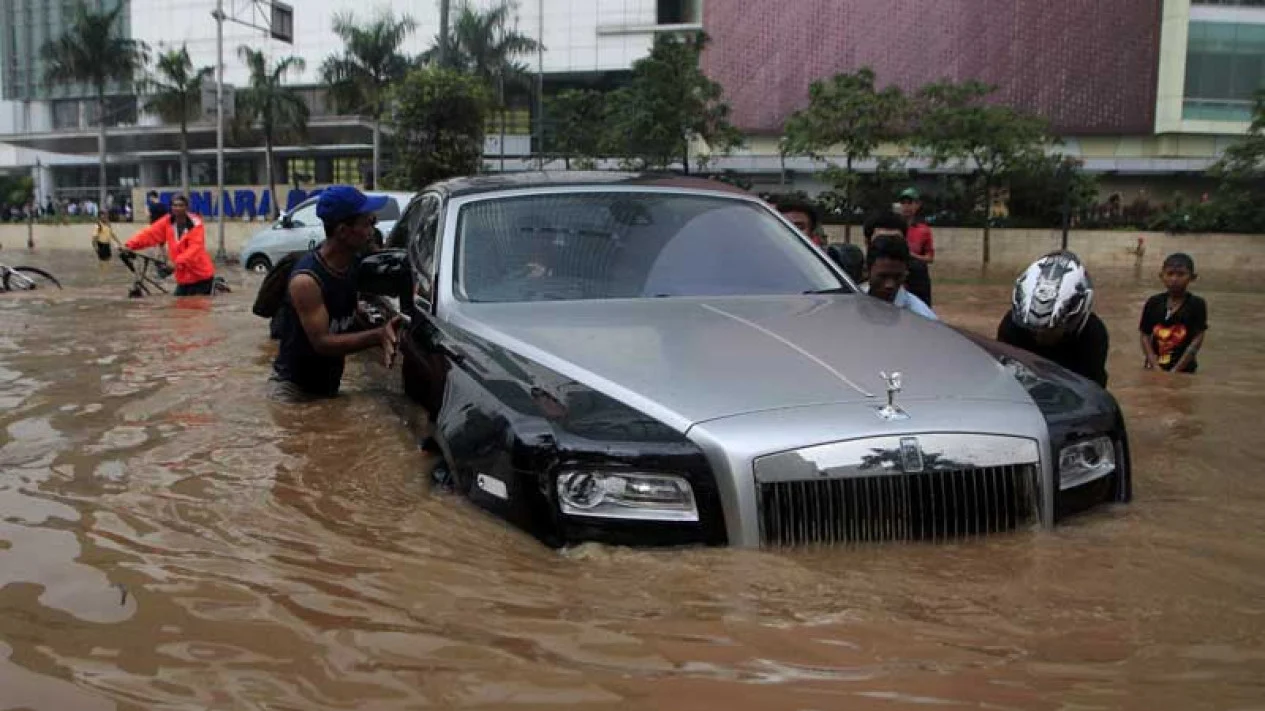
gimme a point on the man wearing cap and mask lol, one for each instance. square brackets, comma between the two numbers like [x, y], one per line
[318, 316]
[922, 247]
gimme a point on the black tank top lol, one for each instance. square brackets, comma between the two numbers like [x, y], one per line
[297, 362]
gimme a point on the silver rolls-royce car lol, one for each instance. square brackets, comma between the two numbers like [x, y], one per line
[661, 360]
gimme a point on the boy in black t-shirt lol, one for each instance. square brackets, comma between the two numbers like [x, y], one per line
[1174, 322]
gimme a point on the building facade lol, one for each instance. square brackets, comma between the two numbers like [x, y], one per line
[1139, 89]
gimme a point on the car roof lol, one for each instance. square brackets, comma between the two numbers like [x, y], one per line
[457, 187]
[401, 198]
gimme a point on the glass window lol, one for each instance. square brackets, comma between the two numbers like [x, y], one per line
[398, 239]
[65, 114]
[423, 243]
[347, 171]
[300, 170]
[615, 245]
[304, 215]
[1225, 66]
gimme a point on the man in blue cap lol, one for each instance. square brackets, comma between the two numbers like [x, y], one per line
[319, 312]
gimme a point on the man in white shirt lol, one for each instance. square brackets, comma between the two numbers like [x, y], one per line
[888, 261]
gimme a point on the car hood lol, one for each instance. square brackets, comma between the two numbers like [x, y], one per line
[690, 360]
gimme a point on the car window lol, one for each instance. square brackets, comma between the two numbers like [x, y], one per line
[399, 237]
[630, 245]
[389, 211]
[304, 215]
[423, 238]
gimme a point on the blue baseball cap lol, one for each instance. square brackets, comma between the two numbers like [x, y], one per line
[339, 203]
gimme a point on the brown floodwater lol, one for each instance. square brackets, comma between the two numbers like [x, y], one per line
[171, 540]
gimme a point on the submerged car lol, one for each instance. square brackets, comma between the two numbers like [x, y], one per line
[299, 230]
[646, 360]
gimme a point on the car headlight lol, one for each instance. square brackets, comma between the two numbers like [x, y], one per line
[1085, 461]
[624, 495]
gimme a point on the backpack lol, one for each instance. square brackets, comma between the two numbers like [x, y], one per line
[272, 292]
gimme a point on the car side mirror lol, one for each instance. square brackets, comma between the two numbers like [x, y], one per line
[386, 273]
[285, 222]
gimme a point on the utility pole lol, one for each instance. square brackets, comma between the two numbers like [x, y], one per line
[443, 32]
[272, 17]
[220, 254]
[540, 83]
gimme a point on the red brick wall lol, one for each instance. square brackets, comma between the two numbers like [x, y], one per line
[1089, 66]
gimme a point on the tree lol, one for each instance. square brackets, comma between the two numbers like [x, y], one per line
[1042, 187]
[359, 78]
[668, 103]
[437, 119]
[93, 52]
[1236, 204]
[175, 94]
[576, 130]
[485, 43]
[846, 114]
[953, 125]
[277, 109]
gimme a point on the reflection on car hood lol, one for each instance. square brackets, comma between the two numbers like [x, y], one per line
[689, 360]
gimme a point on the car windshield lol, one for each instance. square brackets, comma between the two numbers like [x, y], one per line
[622, 245]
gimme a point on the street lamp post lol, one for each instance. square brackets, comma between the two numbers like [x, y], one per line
[1067, 198]
[220, 254]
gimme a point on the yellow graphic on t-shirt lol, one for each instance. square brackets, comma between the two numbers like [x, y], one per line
[1167, 339]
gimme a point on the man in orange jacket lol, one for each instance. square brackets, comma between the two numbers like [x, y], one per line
[184, 236]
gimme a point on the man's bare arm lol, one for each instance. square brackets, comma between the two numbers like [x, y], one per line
[305, 295]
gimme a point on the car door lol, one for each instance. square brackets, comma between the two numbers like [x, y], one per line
[427, 354]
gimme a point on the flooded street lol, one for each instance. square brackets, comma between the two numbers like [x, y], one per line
[169, 539]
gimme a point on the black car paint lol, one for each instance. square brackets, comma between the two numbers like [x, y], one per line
[500, 415]
[1075, 409]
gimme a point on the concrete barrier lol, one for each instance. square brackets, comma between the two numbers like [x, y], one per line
[955, 246]
[79, 236]
[964, 247]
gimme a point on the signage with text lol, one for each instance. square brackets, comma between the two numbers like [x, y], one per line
[240, 203]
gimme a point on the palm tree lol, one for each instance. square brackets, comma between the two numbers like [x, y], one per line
[277, 109]
[360, 77]
[175, 92]
[92, 52]
[487, 45]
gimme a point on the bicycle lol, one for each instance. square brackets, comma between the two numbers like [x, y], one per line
[146, 282]
[25, 278]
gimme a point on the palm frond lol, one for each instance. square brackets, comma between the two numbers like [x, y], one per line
[93, 52]
[370, 62]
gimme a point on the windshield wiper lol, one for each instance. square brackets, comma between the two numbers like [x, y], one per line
[834, 290]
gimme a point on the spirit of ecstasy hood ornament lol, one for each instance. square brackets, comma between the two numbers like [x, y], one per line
[890, 411]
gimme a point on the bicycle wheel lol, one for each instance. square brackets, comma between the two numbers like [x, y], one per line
[28, 278]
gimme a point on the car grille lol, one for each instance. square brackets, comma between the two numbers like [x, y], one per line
[898, 507]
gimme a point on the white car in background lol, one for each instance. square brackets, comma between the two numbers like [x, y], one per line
[299, 229]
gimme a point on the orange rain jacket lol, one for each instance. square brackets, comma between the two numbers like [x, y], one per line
[188, 254]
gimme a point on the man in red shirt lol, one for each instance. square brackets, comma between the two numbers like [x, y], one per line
[184, 236]
[922, 246]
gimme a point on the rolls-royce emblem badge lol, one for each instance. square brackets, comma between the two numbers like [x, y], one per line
[910, 455]
[891, 411]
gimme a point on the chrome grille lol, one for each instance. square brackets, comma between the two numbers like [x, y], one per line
[898, 507]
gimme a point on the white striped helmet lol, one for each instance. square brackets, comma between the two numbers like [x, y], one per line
[1055, 291]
